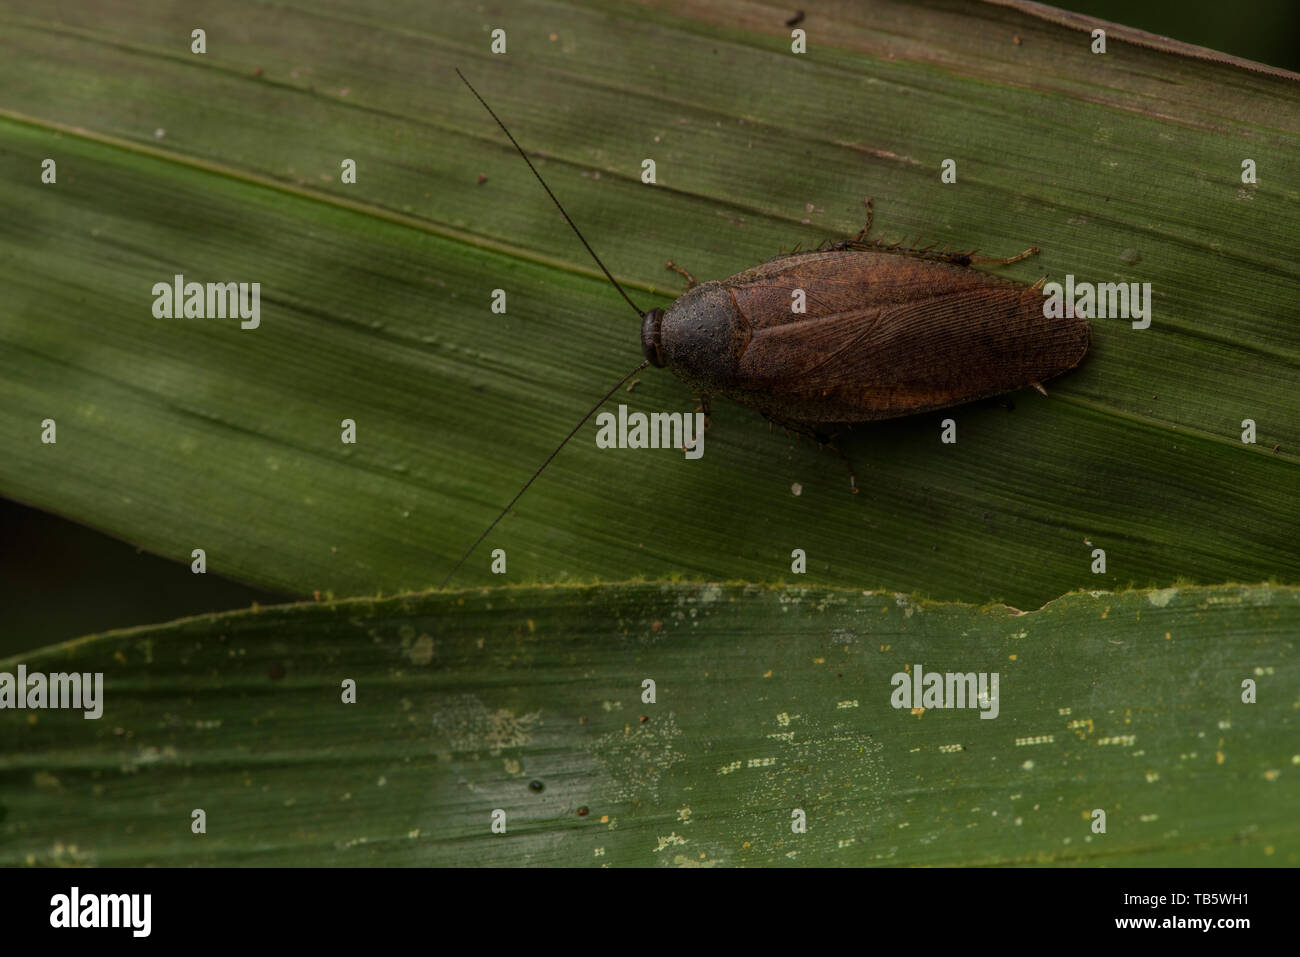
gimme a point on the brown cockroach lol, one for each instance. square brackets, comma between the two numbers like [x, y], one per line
[884, 332]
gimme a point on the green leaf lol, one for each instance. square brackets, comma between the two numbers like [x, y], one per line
[767, 700]
[186, 433]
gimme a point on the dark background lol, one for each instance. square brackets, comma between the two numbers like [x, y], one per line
[1263, 30]
[60, 580]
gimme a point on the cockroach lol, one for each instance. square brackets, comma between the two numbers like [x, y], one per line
[885, 332]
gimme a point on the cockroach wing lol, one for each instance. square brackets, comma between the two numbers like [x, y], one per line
[879, 362]
[835, 282]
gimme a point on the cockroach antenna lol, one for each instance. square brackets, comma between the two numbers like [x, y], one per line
[541, 468]
[572, 225]
[605, 398]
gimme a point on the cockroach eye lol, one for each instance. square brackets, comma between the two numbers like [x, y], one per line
[650, 337]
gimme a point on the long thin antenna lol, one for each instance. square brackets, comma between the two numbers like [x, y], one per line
[605, 398]
[571, 223]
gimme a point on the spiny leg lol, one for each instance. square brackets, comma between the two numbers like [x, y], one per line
[824, 440]
[860, 239]
[941, 255]
[929, 252]
[1007, 261]
[705, 406]
[848, 464]
[691, 281]
[866, 227]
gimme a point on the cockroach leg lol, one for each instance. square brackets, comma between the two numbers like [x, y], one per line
[1007, 261]
[705, 406]
[965, 259]
[929, 252]
[1039, 387]
[866, 227]
[797, 427]
[823, 439]
[853, 478]
[827, 442]
[691, 281]
[860, 239]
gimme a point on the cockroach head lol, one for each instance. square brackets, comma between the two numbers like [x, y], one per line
[650, 344]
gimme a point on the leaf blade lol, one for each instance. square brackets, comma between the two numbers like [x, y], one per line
[767, 700]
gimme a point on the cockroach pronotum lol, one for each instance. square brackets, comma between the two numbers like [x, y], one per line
[885, 332]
